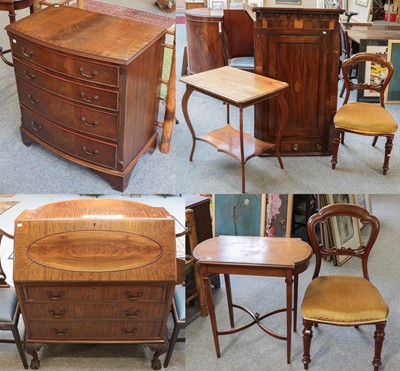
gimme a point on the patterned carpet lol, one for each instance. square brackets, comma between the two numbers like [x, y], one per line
[134, 14]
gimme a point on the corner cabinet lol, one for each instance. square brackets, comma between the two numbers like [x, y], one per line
[301, 47]
[95, 271]
[88, 87]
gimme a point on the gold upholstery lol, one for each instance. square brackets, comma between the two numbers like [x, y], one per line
[340, 300]
[365, 118]
[348, 300]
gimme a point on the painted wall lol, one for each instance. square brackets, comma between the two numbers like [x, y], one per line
[363, 11]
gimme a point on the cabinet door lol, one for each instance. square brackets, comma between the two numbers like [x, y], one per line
[304, 62]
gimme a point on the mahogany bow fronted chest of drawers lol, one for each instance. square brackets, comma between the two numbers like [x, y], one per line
[95, 271]
[88, 87]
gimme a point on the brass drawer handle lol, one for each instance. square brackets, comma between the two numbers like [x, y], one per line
[58, 296]
[94, 153]
[91, 125]
[133, 297]
[96, 97]
[29, 76]
[62, 332]
[130, 332]
[57, 315]
[32, 99]
[94, 73]
[295, 147]
[132, 315]
[36, 126]
[26, 53]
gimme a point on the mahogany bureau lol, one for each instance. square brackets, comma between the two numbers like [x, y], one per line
[95, 271]
[88, 87]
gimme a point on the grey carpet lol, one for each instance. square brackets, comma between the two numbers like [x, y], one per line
[359, 167]
[332, 348]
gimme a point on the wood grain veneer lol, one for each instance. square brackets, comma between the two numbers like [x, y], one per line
[91, 84]
[95, 271]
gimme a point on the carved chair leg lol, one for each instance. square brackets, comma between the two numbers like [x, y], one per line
[388, 150]
[307, 336]
[335, 147]
[379, 336]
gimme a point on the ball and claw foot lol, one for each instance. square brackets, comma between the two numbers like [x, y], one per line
[156, 363]
[35, 364]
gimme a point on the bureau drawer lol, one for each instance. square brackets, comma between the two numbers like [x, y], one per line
[82, 69]
[73, 144]
[80, 118]
[78, 92]
[94, 330]
[67, 311]
[95, 293]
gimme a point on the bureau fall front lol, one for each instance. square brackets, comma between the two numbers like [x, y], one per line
[88, 87]
[95, 271]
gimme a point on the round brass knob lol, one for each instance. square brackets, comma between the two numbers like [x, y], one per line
[295, 147]
[318, 147]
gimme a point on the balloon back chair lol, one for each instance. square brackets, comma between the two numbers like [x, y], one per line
[361, 117]
[343, 300]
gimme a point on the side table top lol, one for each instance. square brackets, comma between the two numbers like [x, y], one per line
[235, 86]
[256, 251]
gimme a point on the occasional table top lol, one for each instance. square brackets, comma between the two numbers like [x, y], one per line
[253, 251]
[235, 86]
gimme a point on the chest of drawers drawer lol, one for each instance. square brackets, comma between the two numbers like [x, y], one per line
[103, 125]
[73, 144]
[95, 311]
[87, 94]
[81, 69]
[92, 330]
[126, 294]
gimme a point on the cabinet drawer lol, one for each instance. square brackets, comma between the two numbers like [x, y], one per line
[77, 117]
[95, 311]
[78, 92]
[95, 293]
[82, 69]
[302, 146]
[93, 330]
[76, 145]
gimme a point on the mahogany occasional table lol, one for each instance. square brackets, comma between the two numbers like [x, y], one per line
[254, 256]
[240, 89]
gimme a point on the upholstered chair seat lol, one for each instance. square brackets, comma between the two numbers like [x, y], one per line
[9, 310]
[365, 118]
[8, 300]
[243, 63]
[327, 300]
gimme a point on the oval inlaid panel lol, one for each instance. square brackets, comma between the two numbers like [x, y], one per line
[94, 251]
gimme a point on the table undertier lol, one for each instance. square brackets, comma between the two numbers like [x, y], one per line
[227, 139]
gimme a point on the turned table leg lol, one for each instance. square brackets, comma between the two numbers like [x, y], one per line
[242, 160]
